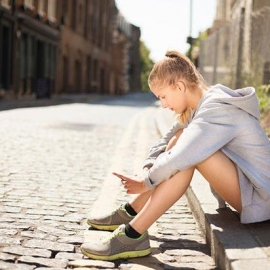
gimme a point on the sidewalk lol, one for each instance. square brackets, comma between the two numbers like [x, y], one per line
[233, 245]
[60, 99]
[50, 182]
[8, 103]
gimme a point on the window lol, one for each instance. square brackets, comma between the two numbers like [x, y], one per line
[81, 14]
[65, 73]
[74, 15]
[78, 75]
[88, 74]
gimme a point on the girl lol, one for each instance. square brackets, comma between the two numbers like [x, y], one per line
[218, 134]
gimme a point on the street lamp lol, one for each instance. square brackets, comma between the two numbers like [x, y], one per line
[190, 17]
[190, 39]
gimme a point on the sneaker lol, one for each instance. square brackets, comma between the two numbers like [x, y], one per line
[117, 246]
[112, 221]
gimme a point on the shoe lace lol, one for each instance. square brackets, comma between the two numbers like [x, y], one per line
[111, 235]
[121, 207]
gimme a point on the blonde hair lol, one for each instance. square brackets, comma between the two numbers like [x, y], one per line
[170, 70]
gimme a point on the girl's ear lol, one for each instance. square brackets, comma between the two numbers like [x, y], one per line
[182, 86]
[174, 87]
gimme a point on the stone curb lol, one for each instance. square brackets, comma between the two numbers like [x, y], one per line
[13, 103]
[234, 246]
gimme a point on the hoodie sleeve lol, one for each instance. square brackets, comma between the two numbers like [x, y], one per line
[161, 145]
[212, 127]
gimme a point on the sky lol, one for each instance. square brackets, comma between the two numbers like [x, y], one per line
[165, 24]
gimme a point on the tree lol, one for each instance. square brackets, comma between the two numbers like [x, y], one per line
[146, 65]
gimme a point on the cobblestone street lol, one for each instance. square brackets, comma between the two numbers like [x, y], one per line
[55, 170]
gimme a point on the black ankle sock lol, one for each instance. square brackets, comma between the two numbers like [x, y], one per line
[130, 232]
[130, 210]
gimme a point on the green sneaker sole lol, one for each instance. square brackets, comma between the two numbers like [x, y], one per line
[123, 255]
[103, 227]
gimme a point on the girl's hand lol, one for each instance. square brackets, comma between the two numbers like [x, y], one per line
[132, 186]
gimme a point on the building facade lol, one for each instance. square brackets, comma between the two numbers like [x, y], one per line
[85, 48]
[126, 55]
[6, 34]
[66, 46]
[239, 39]
[103, 55]
[29, 40]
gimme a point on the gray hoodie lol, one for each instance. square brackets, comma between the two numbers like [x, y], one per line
[226, 120]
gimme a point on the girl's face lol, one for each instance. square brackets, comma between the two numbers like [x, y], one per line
[172, 97]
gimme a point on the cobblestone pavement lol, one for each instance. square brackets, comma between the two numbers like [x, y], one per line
[55, 169]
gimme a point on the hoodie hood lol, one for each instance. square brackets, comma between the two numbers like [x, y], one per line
[244, 98]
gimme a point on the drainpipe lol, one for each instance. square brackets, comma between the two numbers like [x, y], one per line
[215, 73]
[15, 53]
[1, 54]
[240, 49]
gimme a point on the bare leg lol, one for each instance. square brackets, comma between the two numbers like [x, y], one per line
[218, 169]
[140, 200]
[163, 197]
[222, 175]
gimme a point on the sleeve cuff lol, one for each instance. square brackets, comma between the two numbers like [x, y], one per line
[149, 162]
[148, 182]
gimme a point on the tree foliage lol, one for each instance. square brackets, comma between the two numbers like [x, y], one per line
[146, 65]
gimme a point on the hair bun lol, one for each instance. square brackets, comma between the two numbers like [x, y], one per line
[172, 54]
